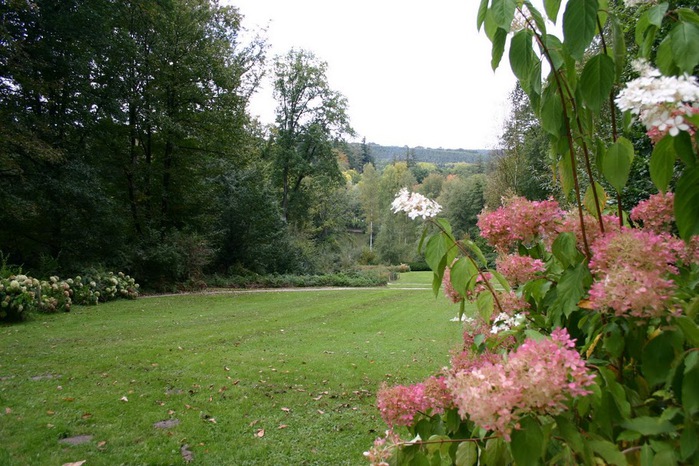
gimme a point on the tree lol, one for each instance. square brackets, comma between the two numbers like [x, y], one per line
[369, 199]
[310, 117]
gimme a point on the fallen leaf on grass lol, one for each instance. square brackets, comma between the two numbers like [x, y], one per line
[77, 463]
[260, 433]
[282, 426]
[252, 424]
[286, 410]
[8, 411]
[86, 416]
[69, 399]
[124, 399]
[186, 453]
[49, 412]
[101, 444]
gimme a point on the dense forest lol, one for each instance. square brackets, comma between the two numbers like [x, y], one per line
[126, 144]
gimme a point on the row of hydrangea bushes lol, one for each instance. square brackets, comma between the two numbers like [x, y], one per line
[21, 294]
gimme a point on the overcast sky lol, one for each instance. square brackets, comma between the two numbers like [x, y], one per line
[415, 73]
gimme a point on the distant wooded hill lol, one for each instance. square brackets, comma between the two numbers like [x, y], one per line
[384, 155]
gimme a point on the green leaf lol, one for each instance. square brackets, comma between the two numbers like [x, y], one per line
[555, 47]
[569, 431]
[482, 10]
[647, 455]
[565, 170]
[658, 355]
[527, 442]
[500, 279]
[522, 56]
[688, 441]
[589, 199]
[665, 59]
[597, 80]
[619, 49]
[647, 425]
[485, 305]
[538, 19]
[689, 329]
[685, 37]
[435, 250]
[614, 342]
[565, 249]
[466, 454]
[662, 163]
[496, 452]
[690, 393]
[608, 451]
[616, 164]
[616, 390]
[552, 7]
[688, 15]
[656, 14]
[504, 12]
[579, 25]
[473, 247]
[551, 110]
[461, 273]
[684, 148]
[687, 203]
[499, 40]
[571, 288]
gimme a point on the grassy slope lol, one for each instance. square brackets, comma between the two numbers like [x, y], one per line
[303, 366]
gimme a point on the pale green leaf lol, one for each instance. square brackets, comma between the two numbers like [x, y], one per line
[504, 12]
[616, 164]
[482, 10]
[466, 454]
[647, 425]
[589, 199]
[552, 7]
[609, 452]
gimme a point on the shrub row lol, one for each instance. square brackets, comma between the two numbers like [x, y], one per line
[21, 294]
[367, 277]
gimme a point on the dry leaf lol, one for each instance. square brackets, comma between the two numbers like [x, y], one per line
[186, 453]
[124, 399]
[321, 412]
[286, 410]
[170, 412]
[69, 399]
[8, 411]
[260, 433]
[101, 444]
[226, 368]
[254, 422]
[77, 463]
[86, 416]
[282, 426]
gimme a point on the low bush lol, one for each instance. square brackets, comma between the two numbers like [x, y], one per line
[21, 294]
[365, 277]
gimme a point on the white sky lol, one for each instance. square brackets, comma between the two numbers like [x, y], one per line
[414, 73]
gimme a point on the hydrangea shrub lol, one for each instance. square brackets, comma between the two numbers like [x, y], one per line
[582, 345]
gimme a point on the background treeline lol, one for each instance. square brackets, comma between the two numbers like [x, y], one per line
[126, 144]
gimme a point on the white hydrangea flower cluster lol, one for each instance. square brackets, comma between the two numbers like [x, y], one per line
[633, 3]
[415, 205]
[660, 102]
[504, 322]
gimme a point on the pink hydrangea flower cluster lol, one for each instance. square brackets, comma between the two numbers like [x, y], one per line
[519, 220]
[637, 249]
[633, 269]
[400, 404]
[540, 376]
[519, 269]
[571, 224]
[383, 449]
[511, 304]
[656, 213]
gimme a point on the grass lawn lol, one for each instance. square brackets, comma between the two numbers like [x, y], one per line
[263, 378]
